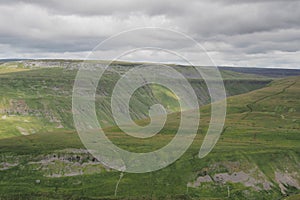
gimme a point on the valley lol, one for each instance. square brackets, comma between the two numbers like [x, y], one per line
[42, 157]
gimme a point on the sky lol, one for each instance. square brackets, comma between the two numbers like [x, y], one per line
[245, 33]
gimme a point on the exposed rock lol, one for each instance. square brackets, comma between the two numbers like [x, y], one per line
[285, 179]
[68, 162]
[267, 185]
[247, 179]
[200, 179]
[7, 165]
[22, 130]
[60, 126]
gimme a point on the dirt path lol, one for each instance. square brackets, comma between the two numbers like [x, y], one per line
[250, 105]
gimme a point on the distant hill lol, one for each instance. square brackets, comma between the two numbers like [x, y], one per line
[12, 59]
[270, 72]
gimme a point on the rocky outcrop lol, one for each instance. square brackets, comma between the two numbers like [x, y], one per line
[253, 177]
[286, 179]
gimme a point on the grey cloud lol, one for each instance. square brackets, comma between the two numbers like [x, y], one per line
[250, 30]
[235, 19]
[282, 40]
[96, 7]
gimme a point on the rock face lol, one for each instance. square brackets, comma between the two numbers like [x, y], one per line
[68, 162]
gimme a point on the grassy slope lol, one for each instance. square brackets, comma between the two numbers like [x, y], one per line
[39, 100]
[262, 131]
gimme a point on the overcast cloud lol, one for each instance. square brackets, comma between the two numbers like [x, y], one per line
[246, 33]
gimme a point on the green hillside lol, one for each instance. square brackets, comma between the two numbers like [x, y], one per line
[37, 97]
[257, 156]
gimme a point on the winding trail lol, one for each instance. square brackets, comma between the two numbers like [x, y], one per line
[250, 105]
[118, 182]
